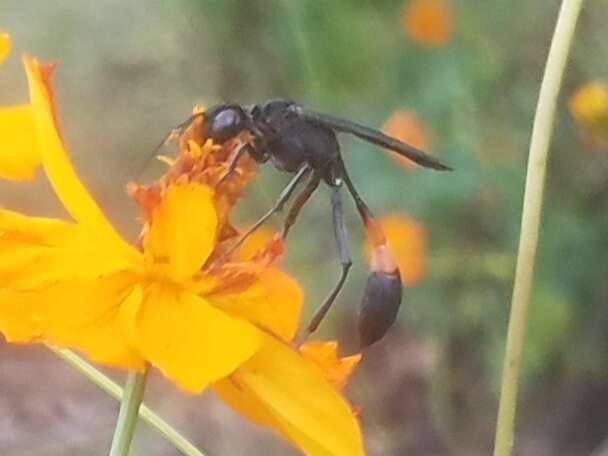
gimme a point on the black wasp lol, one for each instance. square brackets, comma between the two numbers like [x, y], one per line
[304, 143]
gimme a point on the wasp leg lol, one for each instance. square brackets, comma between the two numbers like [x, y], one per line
[234, 160]
[345, 259]
[383, 290]
[277, 207]
[299, 203]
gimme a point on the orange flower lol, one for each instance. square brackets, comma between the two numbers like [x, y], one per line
[406, 126]
[589, 107]
[407, 239]
[427, 22]
[19, 155]
[81, 285]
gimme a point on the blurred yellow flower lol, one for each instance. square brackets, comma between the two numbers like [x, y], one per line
[407, 239]
[5, 46]
[589, 107]
[80, 284]
[19, 155]
[405, 126]
[427, 22]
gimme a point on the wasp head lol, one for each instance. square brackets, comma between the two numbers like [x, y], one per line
[224, 122]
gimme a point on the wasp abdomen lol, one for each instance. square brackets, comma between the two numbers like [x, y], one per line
[379, 306]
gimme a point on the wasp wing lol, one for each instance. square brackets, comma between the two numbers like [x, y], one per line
[375, 137]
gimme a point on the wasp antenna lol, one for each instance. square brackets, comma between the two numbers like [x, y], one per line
[175, 132]
[373, 136]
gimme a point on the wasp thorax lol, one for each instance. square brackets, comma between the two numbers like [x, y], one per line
[382, 297]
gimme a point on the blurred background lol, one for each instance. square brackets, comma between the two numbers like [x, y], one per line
[457, 78]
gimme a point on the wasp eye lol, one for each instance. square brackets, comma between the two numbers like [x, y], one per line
[225, 122]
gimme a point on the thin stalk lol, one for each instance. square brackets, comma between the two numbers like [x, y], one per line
[533, 196]
[127, 416]
[116, 392]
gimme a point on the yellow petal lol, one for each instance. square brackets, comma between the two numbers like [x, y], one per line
[63, 178]
[5, 46]
[189, 341]
[37, 252]
[25, 230]
[254, 243]
[279, 388]
[182, 233]
[19, 155]
[246, 403]
[324, 356]
[273, 303]
[81, 314]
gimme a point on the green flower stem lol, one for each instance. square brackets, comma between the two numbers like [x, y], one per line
[127, 416]
[537, 164]
[115, 391]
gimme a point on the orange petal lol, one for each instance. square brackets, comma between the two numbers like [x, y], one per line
[273, 303]
[19, 150]
[407, 239]
[279, 388]
[5, 46]
[324, 355]
[63, 178]
[36, 252]
[187, 339]
[428, 22]
[80, 314]
[182, 233]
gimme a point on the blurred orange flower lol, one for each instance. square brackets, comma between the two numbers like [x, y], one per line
[81, 285]
[407, 239]
[19, 155]
[589, 107]
[427, 22]
[405, 126]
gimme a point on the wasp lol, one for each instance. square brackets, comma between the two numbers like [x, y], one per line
[304, 143]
